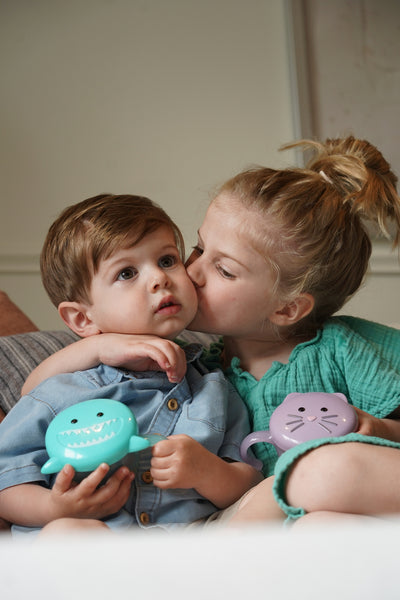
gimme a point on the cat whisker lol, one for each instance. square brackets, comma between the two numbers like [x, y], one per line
[330, 422]
[298, 426]
[326, 428]
[295, 421]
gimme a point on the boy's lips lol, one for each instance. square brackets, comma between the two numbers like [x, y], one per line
[168, 306]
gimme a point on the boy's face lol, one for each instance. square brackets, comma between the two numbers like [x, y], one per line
[144, 289]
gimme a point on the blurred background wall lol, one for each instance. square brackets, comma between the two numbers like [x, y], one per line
[168, 98]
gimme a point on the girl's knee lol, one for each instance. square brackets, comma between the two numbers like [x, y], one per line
[329, 461]
[318, 474]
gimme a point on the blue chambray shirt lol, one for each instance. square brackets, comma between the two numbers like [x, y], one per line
[206, 407]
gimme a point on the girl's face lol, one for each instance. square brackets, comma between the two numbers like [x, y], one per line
[233, 280]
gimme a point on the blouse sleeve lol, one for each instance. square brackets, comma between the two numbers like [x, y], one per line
[370, 357]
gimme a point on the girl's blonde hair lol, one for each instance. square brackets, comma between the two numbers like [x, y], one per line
[315, 235]
[90, 231]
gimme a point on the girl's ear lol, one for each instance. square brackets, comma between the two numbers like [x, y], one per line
[75, 316]
[293, 311]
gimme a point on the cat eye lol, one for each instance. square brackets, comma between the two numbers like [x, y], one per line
[301, 409]
[324, 409]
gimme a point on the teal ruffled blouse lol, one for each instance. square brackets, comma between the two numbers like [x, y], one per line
[358, 358]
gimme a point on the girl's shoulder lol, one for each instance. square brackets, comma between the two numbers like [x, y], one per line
[349, 329]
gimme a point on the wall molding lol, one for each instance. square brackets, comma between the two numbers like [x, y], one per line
[19, 264]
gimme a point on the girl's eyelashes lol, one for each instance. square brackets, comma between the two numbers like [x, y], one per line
[225, 273]
[198, 250]
[127, 273]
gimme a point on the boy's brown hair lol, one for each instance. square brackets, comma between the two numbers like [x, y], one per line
[90, 231]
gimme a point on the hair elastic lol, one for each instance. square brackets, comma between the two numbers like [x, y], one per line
[324, 176]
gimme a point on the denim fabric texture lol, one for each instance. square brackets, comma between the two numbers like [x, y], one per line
[207, 408]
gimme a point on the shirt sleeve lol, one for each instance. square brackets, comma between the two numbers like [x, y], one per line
[22, 446]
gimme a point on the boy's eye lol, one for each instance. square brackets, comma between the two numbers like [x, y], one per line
[167, 261]
[127, 273]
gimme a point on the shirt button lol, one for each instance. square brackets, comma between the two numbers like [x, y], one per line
[172, 404]
[146, 477]
[144, 518]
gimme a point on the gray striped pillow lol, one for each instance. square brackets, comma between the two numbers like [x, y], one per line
[20, 354]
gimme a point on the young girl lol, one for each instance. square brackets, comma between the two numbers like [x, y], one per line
[279, 252]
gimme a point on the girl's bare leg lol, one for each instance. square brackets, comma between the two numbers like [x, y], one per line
[4, 525]
[258, 505]
[354, 478]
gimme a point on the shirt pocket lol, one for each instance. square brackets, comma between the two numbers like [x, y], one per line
[209, 403]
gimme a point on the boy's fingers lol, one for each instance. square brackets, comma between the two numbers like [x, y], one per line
[92, 481]
[118, 485]
[162, 448]
[64, 479]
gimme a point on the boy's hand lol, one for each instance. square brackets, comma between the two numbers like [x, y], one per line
[142, 353]
[178, 462]
[86, 499]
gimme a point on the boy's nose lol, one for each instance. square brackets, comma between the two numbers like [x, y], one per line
[159, 280]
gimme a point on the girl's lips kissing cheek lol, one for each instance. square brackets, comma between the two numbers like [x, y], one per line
[168, 306]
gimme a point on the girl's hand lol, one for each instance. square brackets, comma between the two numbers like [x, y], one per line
[86, 499]
[388, 429]
[367, 424]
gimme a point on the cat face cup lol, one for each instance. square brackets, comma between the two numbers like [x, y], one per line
[300, 418]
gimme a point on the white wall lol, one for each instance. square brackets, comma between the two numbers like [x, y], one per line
[165, 98]
[353, 71]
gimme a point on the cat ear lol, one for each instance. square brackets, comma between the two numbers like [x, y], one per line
[291, 396]
[293, 311]
[75, 315]
[342, 396]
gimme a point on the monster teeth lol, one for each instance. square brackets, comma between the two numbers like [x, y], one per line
[89, 436]
[91, 442]
[96, 428]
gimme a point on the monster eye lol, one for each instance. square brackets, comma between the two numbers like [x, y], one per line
[100, 414]
[74, 421]
[301, 409]
[324, 409]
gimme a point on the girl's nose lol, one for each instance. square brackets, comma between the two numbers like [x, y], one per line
[194, 271]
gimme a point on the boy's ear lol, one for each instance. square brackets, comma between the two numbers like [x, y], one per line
[75, 316]
[293, 311]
